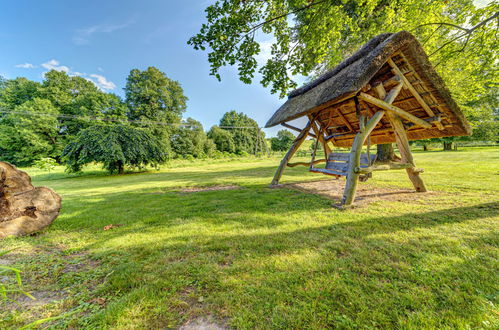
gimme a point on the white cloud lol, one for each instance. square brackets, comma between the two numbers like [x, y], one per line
[102, 82]
[98, 80]
[54, 65]
[83, 36]
[26, 66]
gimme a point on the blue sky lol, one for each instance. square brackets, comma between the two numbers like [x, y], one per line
[104, 40]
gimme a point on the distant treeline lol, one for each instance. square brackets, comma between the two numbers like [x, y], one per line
[70, 120]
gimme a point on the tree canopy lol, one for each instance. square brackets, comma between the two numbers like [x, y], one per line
[282, 141]
[115, 146]
[310, 36]
[152, 96]
[245, 132]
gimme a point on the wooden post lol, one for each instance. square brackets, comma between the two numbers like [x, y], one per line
[354, 160]
[402, 143]
[405, 152]
[294, 147]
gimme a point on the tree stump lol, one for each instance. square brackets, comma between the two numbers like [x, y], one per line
[24, 209]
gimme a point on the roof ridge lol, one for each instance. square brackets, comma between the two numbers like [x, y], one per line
[360, 53]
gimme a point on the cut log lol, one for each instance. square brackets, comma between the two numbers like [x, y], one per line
[24, 209]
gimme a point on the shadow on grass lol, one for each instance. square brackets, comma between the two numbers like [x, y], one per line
[282, 259]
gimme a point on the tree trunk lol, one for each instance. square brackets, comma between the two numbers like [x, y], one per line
[385, 153]
[24, 209]
[425, 147]
[121, 168]
[447, 146]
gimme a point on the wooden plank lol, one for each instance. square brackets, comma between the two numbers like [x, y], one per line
[328, 172]
[414, 92]
[294, 147]
[344, 157]
[341, 167]
[391, 108]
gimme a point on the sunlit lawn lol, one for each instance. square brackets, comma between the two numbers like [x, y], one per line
[264, 258]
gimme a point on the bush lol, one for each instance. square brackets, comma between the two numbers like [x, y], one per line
[46, 164]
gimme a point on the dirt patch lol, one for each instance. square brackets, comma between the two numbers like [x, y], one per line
[202, 323]
[210, 188]
[366, 193]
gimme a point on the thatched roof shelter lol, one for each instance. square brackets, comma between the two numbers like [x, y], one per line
[386, 92]
[332, 94]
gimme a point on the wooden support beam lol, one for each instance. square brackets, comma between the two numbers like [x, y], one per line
[320, 135]
[297, 129]
[318, 161]
[354, 160]
[396, 110]
[414, 92]
[429, 120]
[405, 152]
[405, 149]
[394, 92]
[384, 167]
[294, 147]
[350, 127]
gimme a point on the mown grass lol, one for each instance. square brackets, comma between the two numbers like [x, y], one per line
[265, 258]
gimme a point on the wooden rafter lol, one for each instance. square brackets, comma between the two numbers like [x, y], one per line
[387, 106]
[350, 127]
[414, 92]
[297, 129]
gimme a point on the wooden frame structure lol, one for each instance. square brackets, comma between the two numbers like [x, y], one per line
[393, 95]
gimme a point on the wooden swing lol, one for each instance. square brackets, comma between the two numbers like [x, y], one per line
[337, 163]
[386, 92]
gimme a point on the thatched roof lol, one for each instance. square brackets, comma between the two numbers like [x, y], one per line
[333, 92]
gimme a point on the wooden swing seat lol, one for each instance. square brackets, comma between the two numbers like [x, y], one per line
[337, 164]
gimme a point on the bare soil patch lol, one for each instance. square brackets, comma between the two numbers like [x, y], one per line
[202, 323]
[366, 193]
[210, 188]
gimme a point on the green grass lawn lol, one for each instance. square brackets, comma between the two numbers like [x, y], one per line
[264, 258]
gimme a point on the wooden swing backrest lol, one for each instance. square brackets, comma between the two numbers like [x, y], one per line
[338, 162]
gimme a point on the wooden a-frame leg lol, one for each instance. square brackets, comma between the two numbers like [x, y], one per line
[401, 136]
[354, 160]
[294, 147]
[405, 152]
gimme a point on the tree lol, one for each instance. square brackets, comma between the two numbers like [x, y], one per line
[115, 146]
[191, 140]
[312, 36]
[15, 92]
[80, 102]
[223, 139]
[245, 132]
[152, 96]
[29, 133]
[282, 141]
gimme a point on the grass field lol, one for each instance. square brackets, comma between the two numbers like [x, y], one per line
[264, 258]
